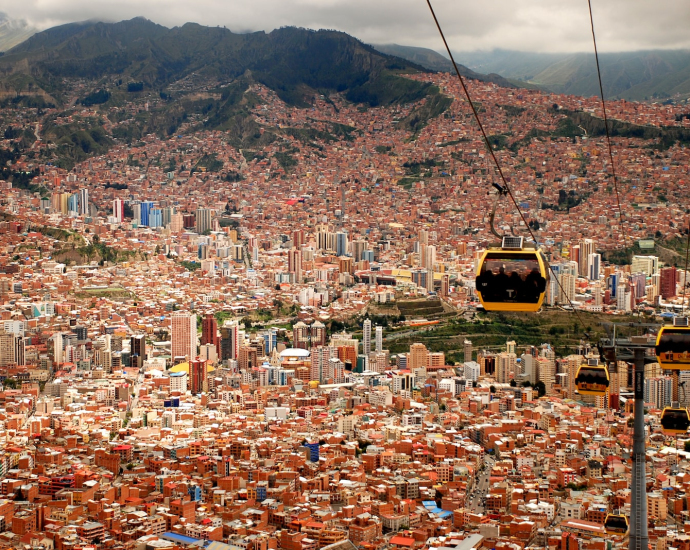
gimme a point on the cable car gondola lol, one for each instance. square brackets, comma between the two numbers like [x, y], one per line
[616, 523]
[675, 420]
[673, 345]
[512, 277]
[592, 378]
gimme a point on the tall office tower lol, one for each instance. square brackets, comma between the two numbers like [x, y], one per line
[209, 332]
[379, 339]
[366, 337]
[73, 203]
[667, 282]
[321, 237]
[430, 279]
[318, 334]
[419, 356]
[295, 265]
[229, 340]
[658, 391]
[341, 244]
[566, 290]
[575, 255]
[586, 249]
[176, 222]
[156, 217]
[203, 220]
[594, 266]
[445, 285]
[137, 350]
[467, 348]
[298, 238]
[423, 236]
[430, 257]
[270, 340]
[197, 371]
[320, 356]
[58, 348]
[8, 354]
[166, 216]
[84, 202]
[623, 297]
[505, 367]
[145, 210]
[183, 335]
[358, 248]
[119, 210]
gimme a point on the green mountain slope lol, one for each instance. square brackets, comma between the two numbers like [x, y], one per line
[630, 75]
[138, 50]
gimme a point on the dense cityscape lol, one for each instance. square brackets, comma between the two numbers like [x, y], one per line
[282, 346]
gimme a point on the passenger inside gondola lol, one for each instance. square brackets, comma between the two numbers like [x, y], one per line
[511, 280]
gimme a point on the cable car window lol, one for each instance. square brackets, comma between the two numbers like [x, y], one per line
[674, 345]
[511, 278]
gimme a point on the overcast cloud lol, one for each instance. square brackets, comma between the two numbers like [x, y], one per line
[529, 25]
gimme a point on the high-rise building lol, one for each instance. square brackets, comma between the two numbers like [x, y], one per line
[84, 202]
[137, 350]
[145, 210]
[203, 220]
[658, 391]
[667, 282]
[594, 266]
[586, 249]
[209, 332]
[419, 356]
[648, 265]
[341, 244]
[379, 339]
[366, 337]
[229, 340]
[320, 357]
[197, 371]
[467, 349]
[183, 335]
[119, 210]
[358, 248]
[295, 265]
[505, 367]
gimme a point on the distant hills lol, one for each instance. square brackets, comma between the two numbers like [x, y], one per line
[642, 75]
[13, 32]
[434, 61]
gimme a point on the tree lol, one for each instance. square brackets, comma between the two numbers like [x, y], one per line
[492, 389]
[513, 383]
[541, 388]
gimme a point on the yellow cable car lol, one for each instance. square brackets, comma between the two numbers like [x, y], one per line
[673, 345]
[592, 378]
[616, 523]
[512, 278]
[675, 420]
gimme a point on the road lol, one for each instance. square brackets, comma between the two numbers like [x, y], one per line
[475, 501]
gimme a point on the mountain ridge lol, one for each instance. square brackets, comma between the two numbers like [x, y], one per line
[638, 75]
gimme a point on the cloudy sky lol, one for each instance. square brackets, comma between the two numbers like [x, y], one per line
[529, 25]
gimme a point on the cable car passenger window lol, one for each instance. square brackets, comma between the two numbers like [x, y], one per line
[511, 278]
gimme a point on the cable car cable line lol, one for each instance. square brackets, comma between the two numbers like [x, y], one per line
[685, 276]
[606, 124]
[506, 188]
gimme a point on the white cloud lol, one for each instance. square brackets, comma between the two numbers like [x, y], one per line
[531, 25]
